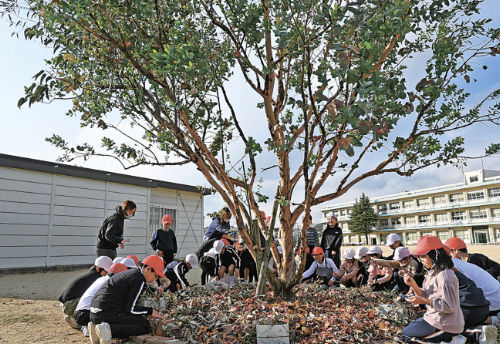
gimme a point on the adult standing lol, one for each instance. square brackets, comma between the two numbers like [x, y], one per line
[111, 233]
[331, 240]
[164, 241]
[219, 225]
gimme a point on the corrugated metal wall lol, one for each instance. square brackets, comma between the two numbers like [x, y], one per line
[49, 219]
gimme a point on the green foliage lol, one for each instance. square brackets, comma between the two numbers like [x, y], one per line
[363, 217]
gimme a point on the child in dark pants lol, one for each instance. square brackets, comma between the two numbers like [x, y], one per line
[164, 241]
[114, 312]
[176, 272]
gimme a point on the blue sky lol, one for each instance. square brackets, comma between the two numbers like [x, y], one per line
[23, 131]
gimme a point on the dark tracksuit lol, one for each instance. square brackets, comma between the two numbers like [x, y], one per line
[474, 306]
[331, 240]
[165, 240]
[247, 261]
[312, 241]
[228, 257]
[116, 304]
[176, 273]
[111, 234]
[485, 263]
[79, 285]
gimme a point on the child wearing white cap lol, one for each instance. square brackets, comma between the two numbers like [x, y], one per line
[393, 241]
[348, 271]
[176, 272]
[380, 278]
[363, 259]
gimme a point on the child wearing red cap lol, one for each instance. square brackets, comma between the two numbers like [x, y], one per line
[164, 241]
[439, 293]
[324, 268]
[114, 312]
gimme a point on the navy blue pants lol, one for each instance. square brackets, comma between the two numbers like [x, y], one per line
[420, 331]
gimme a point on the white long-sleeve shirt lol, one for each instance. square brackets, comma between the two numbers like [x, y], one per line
[84, 303]
[327, 263]
[489, 285]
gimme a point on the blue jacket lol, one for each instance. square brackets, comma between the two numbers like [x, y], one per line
[164, 241]
[217, 227]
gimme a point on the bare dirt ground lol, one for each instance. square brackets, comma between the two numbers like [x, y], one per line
[30, 313]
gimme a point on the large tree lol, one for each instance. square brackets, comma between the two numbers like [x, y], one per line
[363, 217]
[328, 76]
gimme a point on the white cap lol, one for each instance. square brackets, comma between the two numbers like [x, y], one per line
[392, 238]
[117, 260]
[103, 262]
[192, 260]
[280, 249]
[218, 246]
[361, 252]
[129, 262]
[348, 253]
[401, 252]
[211, 253]
[375, 250]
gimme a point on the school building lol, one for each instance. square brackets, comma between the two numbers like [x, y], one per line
[469, 210]
[50, 213]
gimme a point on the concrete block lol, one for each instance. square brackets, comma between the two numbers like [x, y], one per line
[273, 334]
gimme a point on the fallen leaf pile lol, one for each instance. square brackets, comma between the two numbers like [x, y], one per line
[314, 315]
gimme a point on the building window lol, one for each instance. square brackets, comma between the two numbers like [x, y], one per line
[439, 199]
[410, 220]
[394, 205]
[349, 211]
[408, 204]
[475, 195]
[336, 213]
[443, 235]
[342, 212]
[443, 217]
[463, 234]
[384, 223]
[495, 212]
[412, 238]
[424, 218]
[458, 215]
[156, 213]
[422, 202]
[382, 208]
[495, 192]
[478, 214]
[473, 179]
[456, 198]
[395, 221]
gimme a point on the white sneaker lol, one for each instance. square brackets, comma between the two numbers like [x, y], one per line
[103, 331]
[94, 338]
[85, 331]
[488, 335]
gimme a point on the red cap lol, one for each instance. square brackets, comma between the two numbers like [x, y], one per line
[166, 219]
[263, 214]
[455, 243]
[427, 243]
[117, 267]
[317, 250]
[134, 257]
[156, 263]
[226, 242]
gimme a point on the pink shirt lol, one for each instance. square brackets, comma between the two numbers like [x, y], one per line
[349, 269]
[444, 311]
[383, 273]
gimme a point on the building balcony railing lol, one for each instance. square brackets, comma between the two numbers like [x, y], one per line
[440, 224]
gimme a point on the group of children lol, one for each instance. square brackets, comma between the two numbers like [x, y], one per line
[443, 277]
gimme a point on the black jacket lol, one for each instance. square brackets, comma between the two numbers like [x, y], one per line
[468, 292]
[79, 286]
[164, 241]
[331, 239]
[120, 294]
[485, 263]
[111, 232]
[176, 272]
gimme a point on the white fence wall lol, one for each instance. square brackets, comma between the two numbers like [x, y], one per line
[49, 219]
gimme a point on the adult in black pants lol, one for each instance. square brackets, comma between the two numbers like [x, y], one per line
[164, 241]
[111, 233]
[113, 310]
[331, 240]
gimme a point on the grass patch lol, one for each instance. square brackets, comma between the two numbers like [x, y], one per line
[8, 319]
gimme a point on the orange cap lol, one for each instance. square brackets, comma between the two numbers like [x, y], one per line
[427, 243]
[117, 267]
[226, 242]
[166, 219]
[134, 257]
[156, 263]
[455, 243]
[317, 250]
